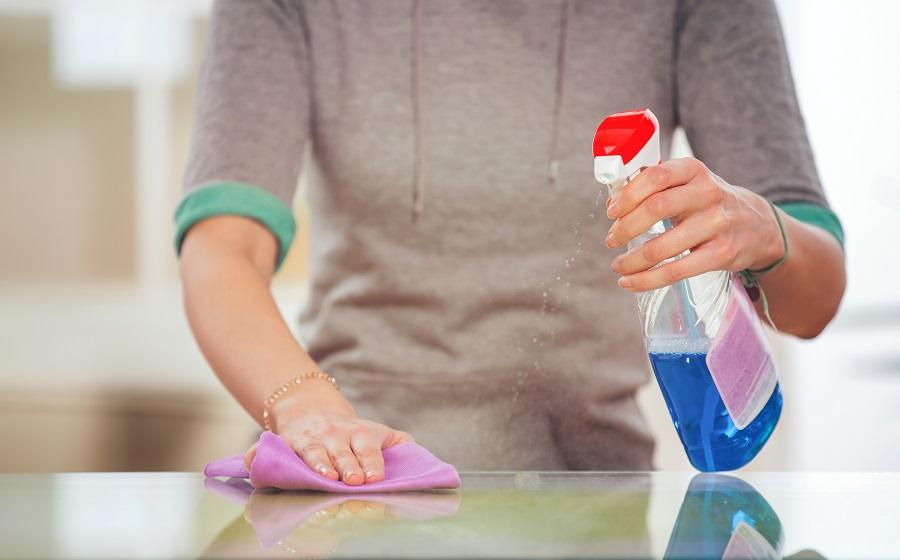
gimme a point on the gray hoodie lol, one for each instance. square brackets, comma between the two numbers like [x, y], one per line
[460, 287]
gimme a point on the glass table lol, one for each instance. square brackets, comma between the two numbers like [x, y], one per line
[496, 515]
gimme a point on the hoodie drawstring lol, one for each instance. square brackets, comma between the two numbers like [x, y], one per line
[553, 163]
[418, 202]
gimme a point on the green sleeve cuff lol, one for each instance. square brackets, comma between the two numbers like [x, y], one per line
[239, 199]
[815, 215]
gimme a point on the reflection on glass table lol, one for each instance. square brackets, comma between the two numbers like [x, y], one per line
[721, 517]
[503, 515]
[496, 515]
[312, 524]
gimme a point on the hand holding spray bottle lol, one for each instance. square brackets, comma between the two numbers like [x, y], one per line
[706, 344]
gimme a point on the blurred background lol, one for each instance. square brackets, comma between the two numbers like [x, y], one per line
[98, 370]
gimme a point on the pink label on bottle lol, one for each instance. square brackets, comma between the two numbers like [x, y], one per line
[739, 360]
[746, 542]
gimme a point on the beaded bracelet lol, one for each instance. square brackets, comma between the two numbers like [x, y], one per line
[267, 404]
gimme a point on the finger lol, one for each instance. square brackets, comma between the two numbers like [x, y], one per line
[344, 460]
[249, 455]
[703, 259]
[693, 231]
[651, 180]
[671, 203]
[315, 454]
[355, 507]
[367, 449]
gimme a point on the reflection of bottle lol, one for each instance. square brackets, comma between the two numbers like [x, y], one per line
[705, 342]
[724, 517]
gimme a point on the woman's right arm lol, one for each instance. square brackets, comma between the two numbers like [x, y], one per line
[235, 225]
[226, 268]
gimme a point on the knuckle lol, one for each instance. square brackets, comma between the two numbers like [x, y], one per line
[658, 175]
[369, 453]
[311, 448]
[360, 431]
[329, 430]
[672, 272]
[341, 455]
[654, 251]
[695, 164]
[720, 220]
[712, 190]
[659, 205]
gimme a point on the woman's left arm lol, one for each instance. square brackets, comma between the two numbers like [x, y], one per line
[726, 228]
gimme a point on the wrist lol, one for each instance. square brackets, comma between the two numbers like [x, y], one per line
[772, 243]
[310, 397]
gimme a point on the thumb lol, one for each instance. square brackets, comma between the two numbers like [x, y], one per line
[398, 436]
[249, 455]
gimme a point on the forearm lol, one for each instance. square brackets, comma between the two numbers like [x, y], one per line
[804, 292]
[234, 317]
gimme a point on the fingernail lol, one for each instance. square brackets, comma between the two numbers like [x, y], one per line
[613, 211]
[625, 282]
[615, 263]
[350, 475]
[610, 241]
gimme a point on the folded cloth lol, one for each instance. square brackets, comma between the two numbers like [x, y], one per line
[407, 466]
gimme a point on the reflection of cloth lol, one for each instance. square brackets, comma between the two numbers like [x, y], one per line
[274, 516]
[407, 466]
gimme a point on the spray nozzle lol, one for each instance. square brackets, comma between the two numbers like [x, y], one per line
[624, 144]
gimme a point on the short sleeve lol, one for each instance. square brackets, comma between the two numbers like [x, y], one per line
[252, 119]
[735, 99]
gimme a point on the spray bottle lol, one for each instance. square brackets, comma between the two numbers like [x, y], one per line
[706, 344]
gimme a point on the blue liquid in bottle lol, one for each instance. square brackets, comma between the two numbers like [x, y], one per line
[710, 438]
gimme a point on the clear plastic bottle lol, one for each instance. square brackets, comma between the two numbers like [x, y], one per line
[704, 340]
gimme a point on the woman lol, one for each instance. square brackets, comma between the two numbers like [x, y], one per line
[461, 289]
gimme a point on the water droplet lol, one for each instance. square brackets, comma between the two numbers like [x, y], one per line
[557, 277]
[545, 294]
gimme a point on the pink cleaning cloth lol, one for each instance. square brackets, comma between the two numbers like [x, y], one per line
[407, 466]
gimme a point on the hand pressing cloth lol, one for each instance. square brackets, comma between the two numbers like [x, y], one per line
[407, 466]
